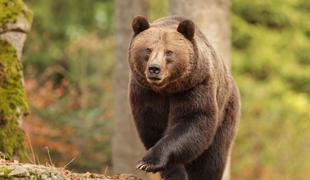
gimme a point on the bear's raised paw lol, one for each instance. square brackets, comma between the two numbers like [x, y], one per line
[149, 167]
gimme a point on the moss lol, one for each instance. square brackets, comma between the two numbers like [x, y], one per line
[13, 102]
[5, 171]
[11, 10]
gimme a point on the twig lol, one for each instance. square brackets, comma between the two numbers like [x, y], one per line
[49, 156]
[31, 149]
[69, 162]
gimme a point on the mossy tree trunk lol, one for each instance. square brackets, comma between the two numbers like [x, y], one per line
[15, 20]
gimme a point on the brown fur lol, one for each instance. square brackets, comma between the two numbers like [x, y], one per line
[187, 119]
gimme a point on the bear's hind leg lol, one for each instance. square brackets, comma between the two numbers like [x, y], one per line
[211, 164]
[176, 172]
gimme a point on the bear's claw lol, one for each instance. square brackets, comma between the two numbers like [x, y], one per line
[141, 166]
[147, 167]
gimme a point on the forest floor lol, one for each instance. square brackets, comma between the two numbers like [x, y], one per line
[23, 171]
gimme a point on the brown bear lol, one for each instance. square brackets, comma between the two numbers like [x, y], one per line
[183, 99]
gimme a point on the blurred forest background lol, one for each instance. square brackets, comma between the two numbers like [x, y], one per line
[68, 63]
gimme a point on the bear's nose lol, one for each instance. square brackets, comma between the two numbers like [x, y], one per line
[154, 69]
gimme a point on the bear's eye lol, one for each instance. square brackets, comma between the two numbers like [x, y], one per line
[169, 61]
[148, 51]
[168, 53]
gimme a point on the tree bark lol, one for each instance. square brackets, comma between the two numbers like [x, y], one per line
[127, 148]
[213, 18]
[15, 22]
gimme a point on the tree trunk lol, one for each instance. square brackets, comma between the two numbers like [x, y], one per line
[127, 148]
[213, 18]
[15, 21]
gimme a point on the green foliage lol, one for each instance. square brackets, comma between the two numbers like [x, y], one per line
[271, 63]
[13, 103]
[58, 24]
[11, 10]
[158, 9]
[272, 14]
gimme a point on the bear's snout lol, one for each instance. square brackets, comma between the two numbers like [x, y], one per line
[154, 69]
[153, 73]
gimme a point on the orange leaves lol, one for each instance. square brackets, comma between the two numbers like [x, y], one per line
[71, 122]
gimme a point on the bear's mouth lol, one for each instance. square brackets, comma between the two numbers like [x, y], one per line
[155, 81]
[154, 78]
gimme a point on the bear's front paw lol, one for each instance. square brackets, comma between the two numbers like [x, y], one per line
[151, 163]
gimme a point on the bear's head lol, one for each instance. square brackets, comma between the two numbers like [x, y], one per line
[163, 56]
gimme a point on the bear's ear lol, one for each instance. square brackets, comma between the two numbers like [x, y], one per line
[139, 24]
[187, 28]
